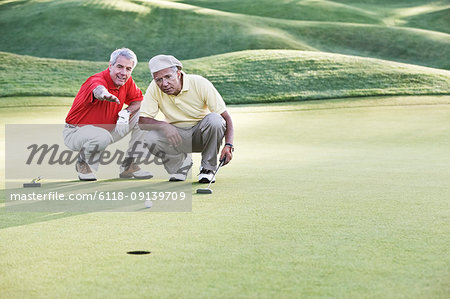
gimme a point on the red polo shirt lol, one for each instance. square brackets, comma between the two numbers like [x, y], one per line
[87, 110]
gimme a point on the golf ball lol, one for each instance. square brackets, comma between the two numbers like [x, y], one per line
[148, 203]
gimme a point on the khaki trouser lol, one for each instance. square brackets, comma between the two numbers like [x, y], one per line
[91, 140]
[205, 137]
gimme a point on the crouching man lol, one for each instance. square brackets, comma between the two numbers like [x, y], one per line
[196, 119]
[96, 118]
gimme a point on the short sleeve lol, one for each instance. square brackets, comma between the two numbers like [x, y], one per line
[213, 99]
[150, 106]
[134, 94]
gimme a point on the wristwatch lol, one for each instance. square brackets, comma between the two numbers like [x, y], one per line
[230, 145]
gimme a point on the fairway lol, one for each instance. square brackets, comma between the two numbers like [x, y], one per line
[338, 198]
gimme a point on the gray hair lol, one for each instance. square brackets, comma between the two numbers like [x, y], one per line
[125, 52]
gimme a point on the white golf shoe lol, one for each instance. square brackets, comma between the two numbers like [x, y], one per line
[205, 176]
[183, 171]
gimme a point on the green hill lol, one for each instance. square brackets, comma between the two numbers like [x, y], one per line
[272, 76]
[253, 51]
[436, 20]
[329, 11]
[89, 30]
[242, 77]
[431, 15]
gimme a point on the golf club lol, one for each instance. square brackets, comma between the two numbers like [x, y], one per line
[208, 190]
[34, 183]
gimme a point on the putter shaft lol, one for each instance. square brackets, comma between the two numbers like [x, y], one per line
[215, 172]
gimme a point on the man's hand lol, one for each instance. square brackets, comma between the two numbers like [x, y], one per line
[170, 131]
[122, 124]
[227, 153]
[102, 94]
[172, 134]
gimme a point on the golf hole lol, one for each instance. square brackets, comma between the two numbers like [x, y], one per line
[138, 252]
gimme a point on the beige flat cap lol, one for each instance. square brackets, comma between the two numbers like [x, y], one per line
[160, 62]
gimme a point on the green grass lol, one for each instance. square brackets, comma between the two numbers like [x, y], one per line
[192, 33]
[275, 76]
[343, 198]
[242, 77]
[328, 11]
[431, 15]
[340, 198]
[189, 31]
[435, 20]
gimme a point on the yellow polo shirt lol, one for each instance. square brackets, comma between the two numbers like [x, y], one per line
[196, 99]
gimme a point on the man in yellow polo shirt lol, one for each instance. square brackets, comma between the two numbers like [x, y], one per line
[196, 120]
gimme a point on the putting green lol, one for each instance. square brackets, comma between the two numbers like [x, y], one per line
[343, 198]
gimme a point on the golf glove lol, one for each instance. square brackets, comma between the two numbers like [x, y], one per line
[122, 124]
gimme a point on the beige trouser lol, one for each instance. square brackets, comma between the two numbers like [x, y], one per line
[205, 137]
[91, 140]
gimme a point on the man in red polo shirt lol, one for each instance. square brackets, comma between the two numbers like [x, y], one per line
[96, 118]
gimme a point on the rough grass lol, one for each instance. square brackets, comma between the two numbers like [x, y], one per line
[431, 15]
[271, 76]
[189, 31]
[329, 11]
[435, 20]
[242, 77]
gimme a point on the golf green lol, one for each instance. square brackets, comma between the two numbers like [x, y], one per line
[340, 198]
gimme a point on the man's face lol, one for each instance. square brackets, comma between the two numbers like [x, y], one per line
[169, 81]
[121, 71]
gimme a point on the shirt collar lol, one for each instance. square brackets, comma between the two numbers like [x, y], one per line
[185, 83]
